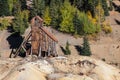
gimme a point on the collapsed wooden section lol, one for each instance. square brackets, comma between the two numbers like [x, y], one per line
[42, 42]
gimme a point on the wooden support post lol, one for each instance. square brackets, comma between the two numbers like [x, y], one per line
[55, 49]
[48, 50]
[24, 48]
[31, 51]
[39, 52]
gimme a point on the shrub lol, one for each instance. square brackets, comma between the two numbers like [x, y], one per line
[106, 28]
[86, 48]
[4, 23]
[67, 50]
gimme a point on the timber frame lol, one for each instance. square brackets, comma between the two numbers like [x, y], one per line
[42, 43]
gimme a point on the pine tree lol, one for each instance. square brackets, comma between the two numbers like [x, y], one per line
[4, 8]
[86, 48]
[77, 23]
[47, 2]
[10, 6]
[25, 14]
[23, 4]
[94, 21]
[38, 7]
[111, 6]
[86, 5]
[78, 4]
[67, 50]
[91, 4]
[33, 10]
[67, 14]
[20, 22]
[16, 3]
[41, 7]
[87, 26]
[99, 13]
[105, 7]
[55, 12]
[46, 17]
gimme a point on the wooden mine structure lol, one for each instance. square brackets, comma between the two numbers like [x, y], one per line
[41, 42]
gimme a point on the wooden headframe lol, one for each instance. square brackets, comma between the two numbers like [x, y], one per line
[43, 42]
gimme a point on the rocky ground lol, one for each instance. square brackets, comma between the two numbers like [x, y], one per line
[58, 68]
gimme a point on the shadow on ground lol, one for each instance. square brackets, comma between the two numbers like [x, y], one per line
[63, 50]
[78, 48]
[117, 21]
[116, 7]
[10, 29]
[14, 40]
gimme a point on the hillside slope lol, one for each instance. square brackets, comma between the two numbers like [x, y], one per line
[59, 68]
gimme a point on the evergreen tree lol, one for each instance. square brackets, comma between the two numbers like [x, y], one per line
[90, 5]
[25, 14]
[78, 4]
[77, 23]
[10, 6]
[23, 4]
[4, 23]
[94, 21]
[33, 10]
[86, 5]
[47, 2]
[15, 7]
[4, 8]
[87, 26]
[38, 7]
[55, 12]
[20, 22]
[105, 7]
[67, 50]
[67, 14]
[111, 6]
[86, 48]
[99, 13]
[41, 7]
[93, 4]
[46, 17]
